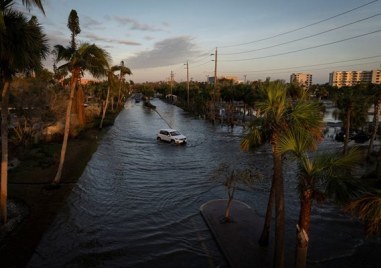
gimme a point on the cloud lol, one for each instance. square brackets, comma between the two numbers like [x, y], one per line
[94, 37]
[167, 52]
[135, 25]
[89, 22]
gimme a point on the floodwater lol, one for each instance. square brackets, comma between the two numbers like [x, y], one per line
[137, 202]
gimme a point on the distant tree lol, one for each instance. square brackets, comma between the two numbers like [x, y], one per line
[123, 70]
[353, 105]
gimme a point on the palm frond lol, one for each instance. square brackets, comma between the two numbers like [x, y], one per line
[62, 53]
[38, 3]
[368, 209]
[253, 137]
[22, 44]
[93, 59]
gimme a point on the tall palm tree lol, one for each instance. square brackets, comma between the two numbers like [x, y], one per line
[79, 99]
[23, 45]
[326, 175]
[122, 72]
[73, 25]
[277, 114]
[86, 58]
[111, 77]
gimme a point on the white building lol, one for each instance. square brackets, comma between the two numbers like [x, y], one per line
[304, 80]
[351, 78]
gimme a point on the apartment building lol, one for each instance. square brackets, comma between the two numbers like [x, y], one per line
[303, 79]
[351, 78]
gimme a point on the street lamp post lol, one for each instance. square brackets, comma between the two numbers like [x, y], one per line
[187, 82]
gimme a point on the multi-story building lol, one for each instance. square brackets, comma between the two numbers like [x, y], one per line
[351, 78]
[304, 80]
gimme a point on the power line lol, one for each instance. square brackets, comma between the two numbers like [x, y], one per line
[303, 27]
[307, 48]
[301, 38]
[312, 65]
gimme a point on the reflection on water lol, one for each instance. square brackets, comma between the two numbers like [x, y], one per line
[137, 203]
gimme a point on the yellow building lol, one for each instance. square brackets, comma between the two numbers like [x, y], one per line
[351, 78]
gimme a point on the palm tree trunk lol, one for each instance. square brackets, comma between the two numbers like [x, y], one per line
[375, 125]
[265, 236]
[120, 90]
[303, 229]
[4, 152]
[347, 127]
[378, 165]
[73, 84]
[279, 211]
[105, 107]
[80, 105]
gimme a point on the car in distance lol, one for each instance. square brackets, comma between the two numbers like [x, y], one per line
[171, 135]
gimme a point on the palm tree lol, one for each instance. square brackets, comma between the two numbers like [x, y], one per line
[122, 72]
[112, 78]
[86, 58]
[73, 25]
[277, 114]
[6, 4]
[327, 175]
[354, 107]
[23, 46]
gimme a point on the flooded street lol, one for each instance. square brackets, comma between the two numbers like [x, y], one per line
[137, 202]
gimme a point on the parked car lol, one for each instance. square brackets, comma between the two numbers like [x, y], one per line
[171, 135]
[361, 137]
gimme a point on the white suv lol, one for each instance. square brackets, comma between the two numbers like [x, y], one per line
[171, 135]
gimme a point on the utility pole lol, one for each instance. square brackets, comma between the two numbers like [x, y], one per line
[215, 86]
[171, 82]
[187, 82]
[215, 74]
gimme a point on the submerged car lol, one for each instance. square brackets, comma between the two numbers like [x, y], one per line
[171, 135]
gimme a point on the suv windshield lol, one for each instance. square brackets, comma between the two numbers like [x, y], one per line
[175, 133]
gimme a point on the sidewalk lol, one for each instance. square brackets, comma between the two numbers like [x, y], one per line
[238, 239]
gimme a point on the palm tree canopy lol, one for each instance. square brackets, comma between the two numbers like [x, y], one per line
[327, 174]
[73, 25]
[88, 57]
[22, 44]
[279, 114]
[122, 69]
